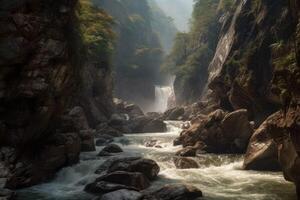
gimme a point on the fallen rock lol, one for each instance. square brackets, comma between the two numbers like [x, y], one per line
[104, 140]
[174, 113]
[112, 148]
[185, 163]
[187, 152]
[131, 179]
[177, 192]
[218, 132]
[87, 140]
[105, 129]
[103, 168]
[102, 187]
[123, 194]
[151, 143]
[155, 126]
[262, 151]
[6, 194]
[147, 167]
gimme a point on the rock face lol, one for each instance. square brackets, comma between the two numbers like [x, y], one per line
[284, 130]
[217, 133]
[262, 153]
[45, 120]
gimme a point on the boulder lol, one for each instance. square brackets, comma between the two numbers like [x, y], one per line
[102, 187]
[123, 194]
[147, 167]
[218, 132]
[177, 192]
[105, 129]
[174, 113]
[154, 126]
[6, 194]
[104, 140]
[131, 179]
[87, 140]
[185, 163]
[104, 167]
[262, 151]
[238, 128]
[187, 152]
[110, 150]
[151, 143]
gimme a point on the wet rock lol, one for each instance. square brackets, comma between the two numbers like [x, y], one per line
[177, 192]
[218, 132]
[155, 126]
[104, 140]
[284, 130]
[185, 163]
[87, 140]
[110, 150]
[123, 194]
[151, 143]
[131, 179]
[133, 110]
[237, 127]
[262, 151]
[174, 113]
[177, 142]
[103, 168]
[146, 125]
[105, 129]
[102, 187]
[147, 167]
[6, 194]
[187, 152]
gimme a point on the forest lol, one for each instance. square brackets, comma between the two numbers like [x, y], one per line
[150, 100]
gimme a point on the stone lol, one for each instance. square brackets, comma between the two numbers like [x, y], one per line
[155, 126]
[102, 187]
[262, 151]
[187, 152]
[104, 140]
[147, 167]
[177, 192]
[123, 194]
[87, 140]
[185, 163]
[112, 148]
[131, 179]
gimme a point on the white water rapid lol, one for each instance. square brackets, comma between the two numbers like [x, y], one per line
[220, 176]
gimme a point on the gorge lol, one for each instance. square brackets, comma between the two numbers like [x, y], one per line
[150, 100]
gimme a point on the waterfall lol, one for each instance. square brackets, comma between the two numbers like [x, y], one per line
[162, 96]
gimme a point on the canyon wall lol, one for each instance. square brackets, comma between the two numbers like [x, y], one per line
[45, 65]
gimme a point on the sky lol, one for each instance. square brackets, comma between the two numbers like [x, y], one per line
[179, 10]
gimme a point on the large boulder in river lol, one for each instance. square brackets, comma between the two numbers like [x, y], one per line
[176, 113]
[262, 153]
[123, 194]
[146, 125]
[219, 132]
[132, 179]
[110, 150]
[147, 167]
[185, 163]
[177, 192]
[284, 129]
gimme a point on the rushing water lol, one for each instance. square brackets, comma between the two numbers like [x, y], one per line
[220, 176]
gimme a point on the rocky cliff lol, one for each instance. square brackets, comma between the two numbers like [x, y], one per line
[43, 57]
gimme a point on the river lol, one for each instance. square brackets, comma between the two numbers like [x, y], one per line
[220, 176]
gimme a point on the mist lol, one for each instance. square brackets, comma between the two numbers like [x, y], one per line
[179, 10]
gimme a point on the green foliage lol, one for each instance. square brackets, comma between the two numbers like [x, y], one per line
[95, 27]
